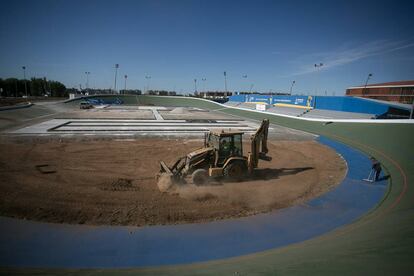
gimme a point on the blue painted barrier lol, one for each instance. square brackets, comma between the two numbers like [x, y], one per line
[34, 244]
[350, 104]
[293, 100]
[335, 103]
[274, 100]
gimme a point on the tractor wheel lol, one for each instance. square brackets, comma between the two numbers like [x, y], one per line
[199, 177]
[235, 171]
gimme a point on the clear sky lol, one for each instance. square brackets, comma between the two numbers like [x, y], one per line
[175, 42]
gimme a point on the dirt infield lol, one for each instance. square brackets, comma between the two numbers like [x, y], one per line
[112, 182]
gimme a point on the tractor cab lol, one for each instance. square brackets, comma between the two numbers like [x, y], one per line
[227, 144]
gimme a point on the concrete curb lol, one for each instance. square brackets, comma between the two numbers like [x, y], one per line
[26, 105]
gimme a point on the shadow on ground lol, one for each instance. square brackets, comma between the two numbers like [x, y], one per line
[267, 174]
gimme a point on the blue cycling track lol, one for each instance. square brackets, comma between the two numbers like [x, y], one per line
[35, 244]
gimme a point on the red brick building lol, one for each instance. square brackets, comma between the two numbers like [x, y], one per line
[399, 91]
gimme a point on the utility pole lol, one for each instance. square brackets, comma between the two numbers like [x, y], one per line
[318, 66]
[125, 83]
[24, 76]
[116, 73]
[291, 88]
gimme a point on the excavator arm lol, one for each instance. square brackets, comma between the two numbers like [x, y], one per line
[259, 146]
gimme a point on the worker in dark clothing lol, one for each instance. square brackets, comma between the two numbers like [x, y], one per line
[376, 167]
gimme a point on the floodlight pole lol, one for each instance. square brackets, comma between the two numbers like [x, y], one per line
[116, 73]
[291, 88]
[126, 76]
[148, 82]
[318, 66]
[24, 76]
[225, 84]
[204, 84]
[366, 83]
[245, 77]
[87, 80]
[251, 87]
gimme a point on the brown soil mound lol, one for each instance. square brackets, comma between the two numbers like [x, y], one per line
[113, 182]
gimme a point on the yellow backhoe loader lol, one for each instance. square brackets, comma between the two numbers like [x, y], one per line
[221, 156]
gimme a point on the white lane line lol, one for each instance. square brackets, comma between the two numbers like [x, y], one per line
[178, 133]
[79, 124]
[148, 107]
[119, 120]
[157, 115]
[149, 128]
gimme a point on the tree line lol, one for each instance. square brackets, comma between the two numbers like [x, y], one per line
[36, 87]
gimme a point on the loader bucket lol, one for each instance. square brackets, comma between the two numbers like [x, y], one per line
[165, 178]
[165, 182]
[169, 176]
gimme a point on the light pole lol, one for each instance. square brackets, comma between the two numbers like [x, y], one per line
[291, 88]
[225, 84]
[126, 76]
[245, 77]
[24, 76]
[87, 80]
[251, 87]
[318, 66]
[366, 83]
[204, 84]
[148, 78]
[195, 87]
[116, 73]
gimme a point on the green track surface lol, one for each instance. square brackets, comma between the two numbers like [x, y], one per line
[379, 243]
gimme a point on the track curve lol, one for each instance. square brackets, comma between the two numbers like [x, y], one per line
[379, 242]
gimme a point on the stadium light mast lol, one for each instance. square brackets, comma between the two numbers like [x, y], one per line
[366, 83]
[318, 66]
[225, 84]
[24, 77]
[245, 77]
[204, 84]
[291, 88]
[148, 78]
[251, 87]
[116, 73]
[126, 76]
[87, 80]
